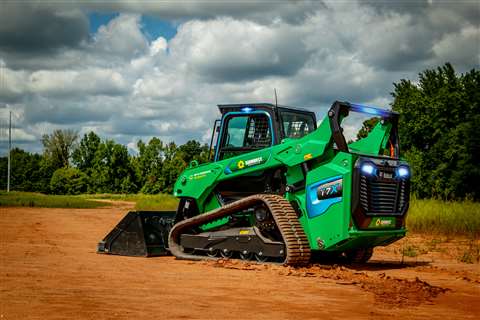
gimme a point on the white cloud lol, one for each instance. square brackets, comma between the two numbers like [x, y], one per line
[12, 84]
[158, 46]
[233, 50]
[460, 47]
[124, 86]
[121, 37]
[90, 81]
[19, 135]
[72, 83]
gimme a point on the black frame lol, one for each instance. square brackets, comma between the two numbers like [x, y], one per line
[274, 113]
[222, 134]
[298, 111]
[340, 109]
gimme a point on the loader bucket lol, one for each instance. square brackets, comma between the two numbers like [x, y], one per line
[139, 233]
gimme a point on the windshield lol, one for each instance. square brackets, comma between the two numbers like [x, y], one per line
[244, 134]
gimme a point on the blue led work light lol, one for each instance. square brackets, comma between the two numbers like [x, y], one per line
[369, 110]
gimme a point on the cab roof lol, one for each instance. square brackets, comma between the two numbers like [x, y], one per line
[245, 106]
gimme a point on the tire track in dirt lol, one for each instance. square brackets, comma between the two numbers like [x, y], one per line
[389, 291]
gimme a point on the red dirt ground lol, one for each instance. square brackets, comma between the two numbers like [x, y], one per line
[49, 270]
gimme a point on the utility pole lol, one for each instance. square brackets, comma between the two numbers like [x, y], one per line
[275, 91]
[9, 150]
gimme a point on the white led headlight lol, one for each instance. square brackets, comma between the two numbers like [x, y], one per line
[402, 172]
[368, 168]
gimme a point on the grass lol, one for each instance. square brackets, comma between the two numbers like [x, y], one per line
[30, 199]
[142, 201]
[461, 218]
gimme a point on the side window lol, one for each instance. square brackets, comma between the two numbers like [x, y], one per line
[297, 125]
[245, 134]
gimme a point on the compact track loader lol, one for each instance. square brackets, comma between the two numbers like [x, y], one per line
[279, 189]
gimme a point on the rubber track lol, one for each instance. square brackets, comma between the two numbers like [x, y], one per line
[296, 242]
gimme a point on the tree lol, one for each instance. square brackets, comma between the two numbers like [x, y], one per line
[438, 128]
[29, 172]
[108, 166]
[367, 126]
[193, 150]
[58, 147]
[173, 165]
[68, 181]
[83, 156]
[112, 169]
[149, 165]
[170, 172]
[158, 166]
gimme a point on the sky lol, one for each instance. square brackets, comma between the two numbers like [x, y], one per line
[131, 70]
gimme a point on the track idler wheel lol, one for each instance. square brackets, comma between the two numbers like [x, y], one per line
[213, 253]
[227, 254]
[261, 258]
[246, 255]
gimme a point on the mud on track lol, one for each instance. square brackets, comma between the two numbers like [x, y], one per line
[49, 270]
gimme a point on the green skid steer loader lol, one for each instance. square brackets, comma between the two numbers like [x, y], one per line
[279, 189]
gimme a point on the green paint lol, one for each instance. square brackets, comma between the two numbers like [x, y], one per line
[334, 227]
[375, 141]
[215, 224]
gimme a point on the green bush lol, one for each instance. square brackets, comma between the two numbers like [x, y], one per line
[68, 181]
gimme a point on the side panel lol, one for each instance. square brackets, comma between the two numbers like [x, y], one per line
[327, 199]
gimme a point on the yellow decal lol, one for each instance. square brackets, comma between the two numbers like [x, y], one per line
[241, 164]
[199, 175]
[308, 156]
[244, 232]
[381, 222]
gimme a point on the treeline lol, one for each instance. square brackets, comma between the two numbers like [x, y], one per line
[439, 130]
[93, 165]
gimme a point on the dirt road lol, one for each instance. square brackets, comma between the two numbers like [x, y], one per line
[49, 270]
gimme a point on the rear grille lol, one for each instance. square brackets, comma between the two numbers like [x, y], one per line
[383, 196]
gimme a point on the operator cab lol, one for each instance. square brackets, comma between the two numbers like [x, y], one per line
[248, 127]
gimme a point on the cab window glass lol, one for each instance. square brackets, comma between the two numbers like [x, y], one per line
[297, 125]
[236, 132]
[246, 133]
